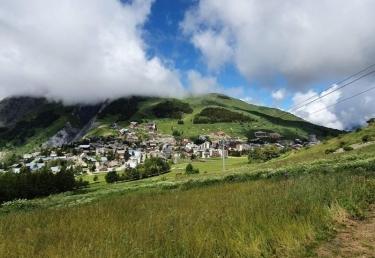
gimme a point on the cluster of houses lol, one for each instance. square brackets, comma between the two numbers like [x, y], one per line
[139, 142]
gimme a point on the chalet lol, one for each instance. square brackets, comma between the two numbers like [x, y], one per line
[313, 138]
[84, 147]
[205, 145]
[133, 124]
[243, 147]
[124, 131]
[55, 169]
[261, 134]
[151, 127]
[167, 150]
[27, 156]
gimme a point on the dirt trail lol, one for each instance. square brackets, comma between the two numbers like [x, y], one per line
[354, 239]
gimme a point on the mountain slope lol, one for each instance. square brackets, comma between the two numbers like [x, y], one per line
[31, 122]
[254, 118]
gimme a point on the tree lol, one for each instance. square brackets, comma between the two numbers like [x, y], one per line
[111, 177]
[155, 166]
[264, 154]
[191, 170]
[131, 174]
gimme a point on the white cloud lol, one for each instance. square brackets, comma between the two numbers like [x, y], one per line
[339, 110]
[199, 84]
[305, 41]
[278, 94]
[85, 50]
[326, 116]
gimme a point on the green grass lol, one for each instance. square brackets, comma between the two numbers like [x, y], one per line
[263, 119]
[268, 218]
[281, 208]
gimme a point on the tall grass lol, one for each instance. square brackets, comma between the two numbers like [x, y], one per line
[269, 218]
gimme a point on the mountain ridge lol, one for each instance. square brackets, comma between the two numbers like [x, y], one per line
[34, 122]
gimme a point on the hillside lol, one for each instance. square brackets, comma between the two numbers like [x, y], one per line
[252, 118]
[285, 207]
[31, 122]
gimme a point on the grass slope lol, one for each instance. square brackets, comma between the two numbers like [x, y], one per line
[254, 118]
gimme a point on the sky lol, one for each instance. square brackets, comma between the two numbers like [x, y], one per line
[273, 53]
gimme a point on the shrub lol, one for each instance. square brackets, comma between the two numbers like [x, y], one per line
[212, 115]
[366, 138]
[176, 133]
[171, 109]
[111, 177]
[180, 122]
[131, 174]
[191, 170]
[329, 151]
[96, 178]
[348, 148]
[264, 154]
[155, 167]
[37, 184]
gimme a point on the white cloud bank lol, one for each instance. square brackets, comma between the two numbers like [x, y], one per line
[345, 115]
[304, 41]
[86, 50]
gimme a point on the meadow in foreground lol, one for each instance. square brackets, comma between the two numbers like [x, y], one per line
[275, 217]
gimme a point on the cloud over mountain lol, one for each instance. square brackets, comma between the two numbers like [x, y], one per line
[304, 41]
[87, 50]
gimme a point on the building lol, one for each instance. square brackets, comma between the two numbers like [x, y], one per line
[261, 134]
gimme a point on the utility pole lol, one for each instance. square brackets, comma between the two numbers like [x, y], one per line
[223, 155]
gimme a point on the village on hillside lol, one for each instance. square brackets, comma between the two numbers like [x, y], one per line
[140, 141]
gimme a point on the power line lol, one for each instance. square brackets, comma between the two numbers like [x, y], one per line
[336, 83]
[329, 93]
[343, 100]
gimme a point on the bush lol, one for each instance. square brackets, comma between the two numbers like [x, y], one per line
[180, 122]
[212, 115]
[366, 138]
[329, 151]
[348, 148]
[131, 174]
[176, 133]
[191, 170]
[264, 154]
[111, 177]
[96, 178]
[155, 167]
[171, 109]
[37, 184]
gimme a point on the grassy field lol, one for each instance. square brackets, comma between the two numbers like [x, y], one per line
[281, 208]
[268, 218]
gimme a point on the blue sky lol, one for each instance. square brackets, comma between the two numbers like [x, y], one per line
[165, 39]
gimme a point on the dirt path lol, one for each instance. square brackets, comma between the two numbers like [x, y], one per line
[354, 239]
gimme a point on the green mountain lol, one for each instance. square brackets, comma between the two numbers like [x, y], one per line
[31, 122]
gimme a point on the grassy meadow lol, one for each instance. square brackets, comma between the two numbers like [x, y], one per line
[264, 218]
[284, 207]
